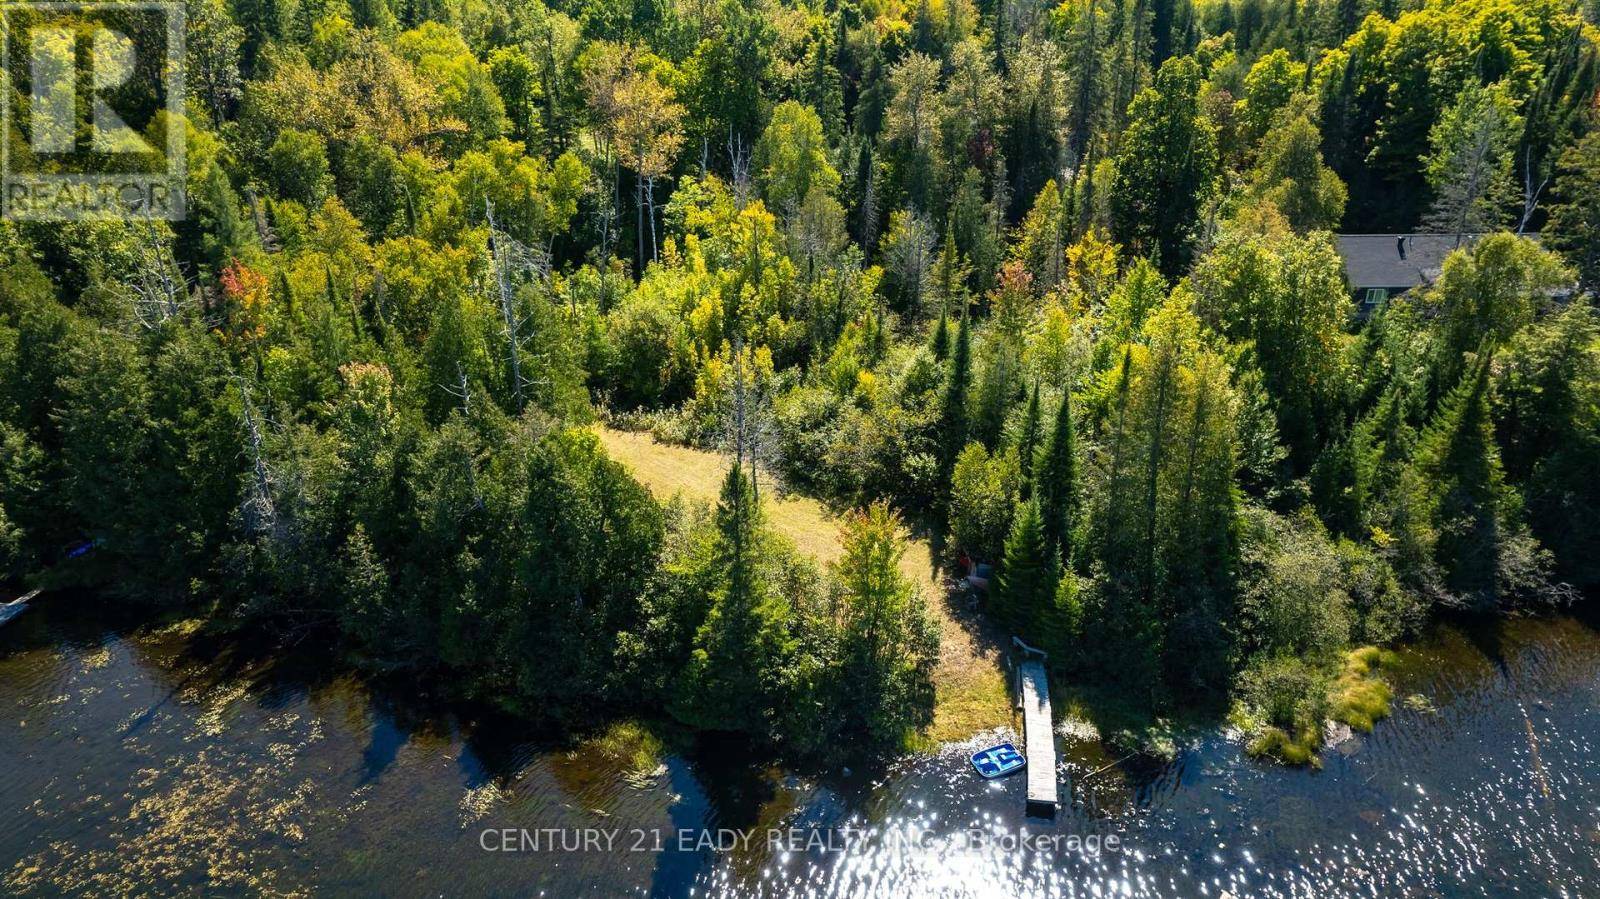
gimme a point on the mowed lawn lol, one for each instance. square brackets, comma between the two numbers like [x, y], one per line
[970, 687]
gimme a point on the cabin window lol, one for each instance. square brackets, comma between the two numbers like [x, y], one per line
[1375, 295]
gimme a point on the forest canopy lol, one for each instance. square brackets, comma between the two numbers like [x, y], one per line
[1057, 287]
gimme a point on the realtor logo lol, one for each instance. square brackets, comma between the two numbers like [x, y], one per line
[84, 135]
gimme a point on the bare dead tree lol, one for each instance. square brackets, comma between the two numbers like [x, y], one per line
[513, 262]
[258, 511]
[869, 204]
[1530, 191]
[605, 216]
[156, 288]
[749, 433]
[910, 252]
[264, 232]
[739, 162]
[461, 390]
[650, 210]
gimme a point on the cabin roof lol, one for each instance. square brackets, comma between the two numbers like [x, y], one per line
[1374, 260]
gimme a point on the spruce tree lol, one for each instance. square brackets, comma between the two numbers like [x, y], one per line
[1061, 630]
[286, 299]
[1028, 441]
[1057, 486]
[1379, 444]
[1574, 226]
[949, 275]
[1029, 575]
[941, 338]
[741, 645]
[1455, 509]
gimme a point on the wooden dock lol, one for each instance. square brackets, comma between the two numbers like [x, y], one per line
[1039, 735]
[16, 607]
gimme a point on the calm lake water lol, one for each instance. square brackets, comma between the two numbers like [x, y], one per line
[146, 759]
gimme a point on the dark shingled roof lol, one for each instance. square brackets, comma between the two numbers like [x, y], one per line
[1373, 260]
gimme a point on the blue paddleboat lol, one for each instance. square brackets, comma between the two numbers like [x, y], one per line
[998, 761]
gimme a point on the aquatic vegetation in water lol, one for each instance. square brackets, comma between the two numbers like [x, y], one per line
[1416, 702]
[626, 750]
[478, 802]
[633, 746]
[96, 659]
[207, 814]
[1360, 697]
[1076, 727]
[1297, 749]
[218, 703]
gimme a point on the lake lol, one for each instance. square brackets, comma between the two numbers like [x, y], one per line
[150, 758]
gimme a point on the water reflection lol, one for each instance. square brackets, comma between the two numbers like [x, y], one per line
[150, 757]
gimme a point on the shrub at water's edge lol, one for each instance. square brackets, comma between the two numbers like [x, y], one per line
[1290, 700]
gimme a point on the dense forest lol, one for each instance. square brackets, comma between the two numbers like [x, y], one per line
[1055, 285]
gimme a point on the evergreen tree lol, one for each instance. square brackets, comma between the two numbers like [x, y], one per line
[1057, 483]
[226, 231]
[1062, 631]
[953, 417]
[1042, 241]
[740, 648]
[1030, 574]
[950, 276]
[998, 388]
[1028, 440]
[262, 22]
[940, 343]
[890, 642]
[1085, 39]
[822, 87]
[1547, 417]
[1574, 226]
[1379, 446]
[103, 419]
[978, 227]
[1456, 510]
